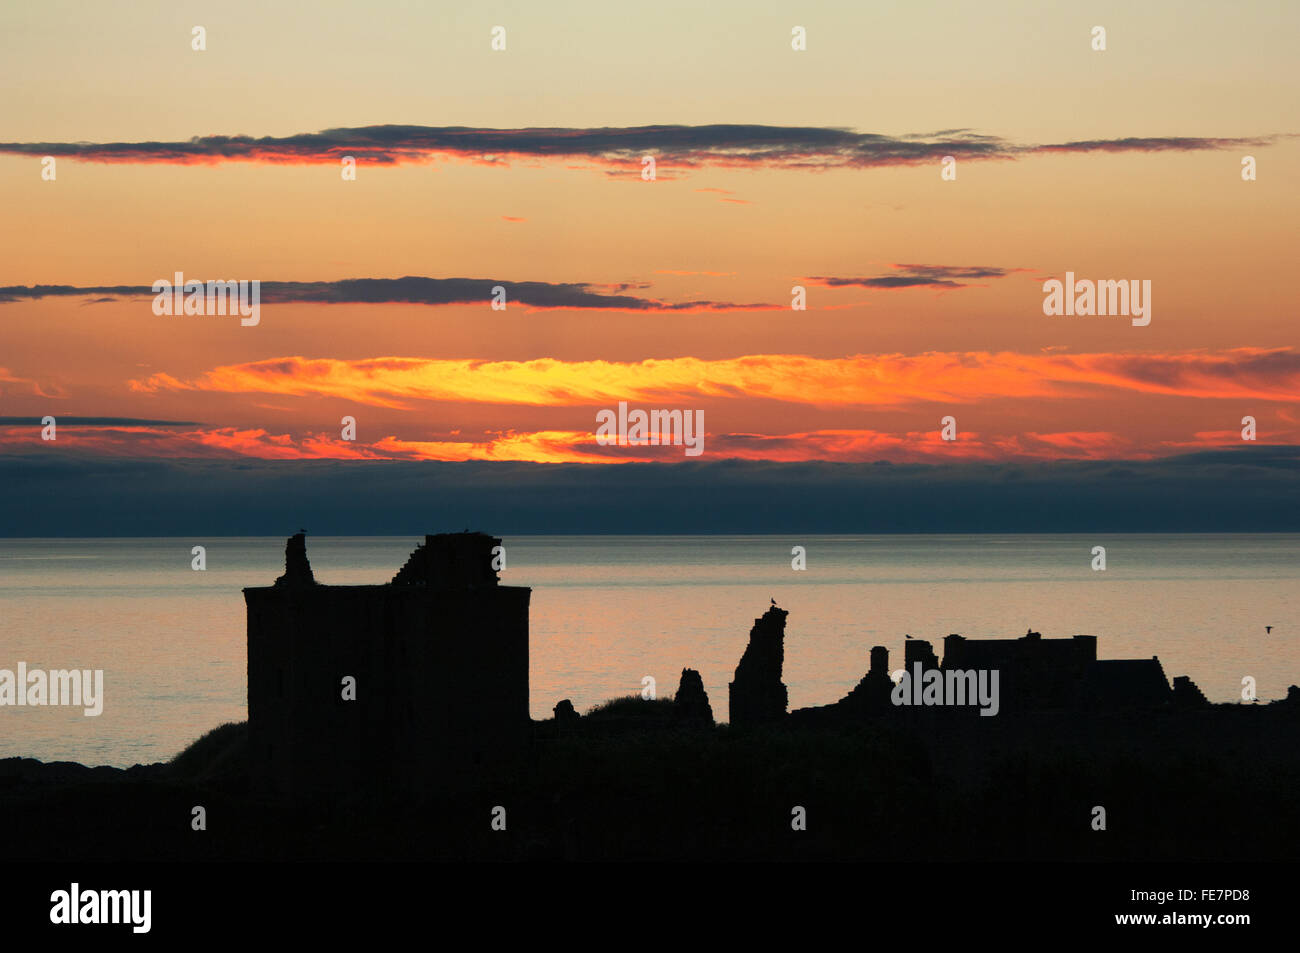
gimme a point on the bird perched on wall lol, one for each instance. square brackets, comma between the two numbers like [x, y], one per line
[906, 636]
[773, 600]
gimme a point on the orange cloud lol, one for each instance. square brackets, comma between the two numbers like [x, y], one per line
[880, 380]
[120, 441]
[28, 385]
[1074, 444]
[569, 446]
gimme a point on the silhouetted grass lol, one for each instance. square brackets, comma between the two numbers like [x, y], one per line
[221, 752]
[625, 782]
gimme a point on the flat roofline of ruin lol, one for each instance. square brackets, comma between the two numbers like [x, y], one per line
[386, 586]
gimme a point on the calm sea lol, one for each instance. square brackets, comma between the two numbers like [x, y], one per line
[608, 611]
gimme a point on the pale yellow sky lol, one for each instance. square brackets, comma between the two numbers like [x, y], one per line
[1218, 250]
[1023, 69]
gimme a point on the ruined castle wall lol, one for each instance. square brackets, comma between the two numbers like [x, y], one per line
[1034, 673]
[441, 681]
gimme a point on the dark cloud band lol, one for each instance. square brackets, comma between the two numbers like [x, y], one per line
[70, 421]
[719, 144]
[411, 290]
[917, 276]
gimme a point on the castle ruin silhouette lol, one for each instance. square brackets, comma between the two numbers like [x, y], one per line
[400, 686]
[1037, 675]
[439, 656]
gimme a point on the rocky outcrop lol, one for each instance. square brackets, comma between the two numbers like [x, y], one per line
[691, 703]
[297, 570]
[757, 695]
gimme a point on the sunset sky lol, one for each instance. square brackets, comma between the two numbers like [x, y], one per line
[522, 168]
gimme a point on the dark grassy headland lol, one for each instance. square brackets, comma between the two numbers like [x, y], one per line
[630, 780]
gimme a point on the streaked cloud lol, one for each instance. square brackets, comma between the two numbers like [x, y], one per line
[717, 145]
[580, 446]
[537, 295]
[917, 276]
[865, 380]
[71, 421]
[11, 383]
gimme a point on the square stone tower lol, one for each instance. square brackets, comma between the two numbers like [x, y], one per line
[393, 686]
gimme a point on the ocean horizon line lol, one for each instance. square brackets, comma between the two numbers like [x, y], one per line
[700, 535]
